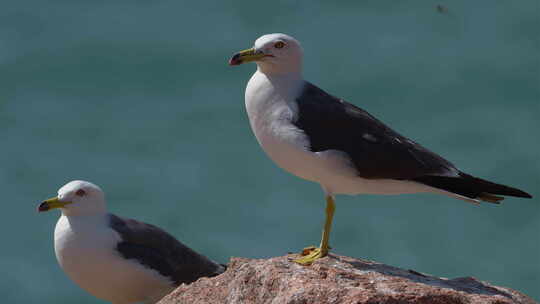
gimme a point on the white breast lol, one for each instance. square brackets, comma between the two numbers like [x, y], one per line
[85, 249]
[271, 108]
[270, 115]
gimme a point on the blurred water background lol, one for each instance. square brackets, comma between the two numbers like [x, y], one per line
[137, 97]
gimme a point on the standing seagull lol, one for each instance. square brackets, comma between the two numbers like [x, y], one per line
[327, 140]
[119, 260]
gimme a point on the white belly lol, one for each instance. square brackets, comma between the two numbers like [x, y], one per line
[331, 168]
[89, 259]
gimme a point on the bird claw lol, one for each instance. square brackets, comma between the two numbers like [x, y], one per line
[307, 250]
[310, 255]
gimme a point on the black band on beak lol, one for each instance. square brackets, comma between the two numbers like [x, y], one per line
[43, 207]
[235, 59]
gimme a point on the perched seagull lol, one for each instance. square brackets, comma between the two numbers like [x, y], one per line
[327, 140]
[116, 259]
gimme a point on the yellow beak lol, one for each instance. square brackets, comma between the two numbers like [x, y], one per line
[246, 56]
[51, 203]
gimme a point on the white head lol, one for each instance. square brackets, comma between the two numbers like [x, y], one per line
[274, 54]
[77, 198]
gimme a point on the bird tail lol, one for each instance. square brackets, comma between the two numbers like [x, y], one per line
[473, 188]
[221, 268]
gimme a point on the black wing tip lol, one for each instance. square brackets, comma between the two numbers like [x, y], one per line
[509, 191]
[494, 188]
[473, 187]
[494, 199]
[524, 194]
[220, 268]
[223, 268]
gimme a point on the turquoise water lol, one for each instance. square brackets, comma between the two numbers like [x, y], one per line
[137, 97]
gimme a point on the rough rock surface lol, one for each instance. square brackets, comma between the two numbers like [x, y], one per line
[336, 279]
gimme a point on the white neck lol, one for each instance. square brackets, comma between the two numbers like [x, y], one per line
[264, 88]
[85, 208]
[285, 81]
[283, 68]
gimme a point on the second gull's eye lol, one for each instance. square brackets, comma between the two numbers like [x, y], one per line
[279, 44]
[80, 192]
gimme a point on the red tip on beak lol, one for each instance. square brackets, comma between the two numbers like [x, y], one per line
[235, 60]
[43, 207]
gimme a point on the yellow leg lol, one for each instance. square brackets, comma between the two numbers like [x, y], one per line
[311, 254]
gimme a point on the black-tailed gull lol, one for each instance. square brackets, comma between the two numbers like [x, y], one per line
[327, 140]
[117, 259]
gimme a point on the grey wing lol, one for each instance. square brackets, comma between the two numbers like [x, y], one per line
[157, 249]
[376, 151]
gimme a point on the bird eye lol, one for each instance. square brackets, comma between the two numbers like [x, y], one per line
[80, 192]
[279, 44]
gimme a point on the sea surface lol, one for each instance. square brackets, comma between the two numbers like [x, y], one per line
[137, 97]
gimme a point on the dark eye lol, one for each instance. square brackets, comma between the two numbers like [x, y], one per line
[279, 44]
[80, 192]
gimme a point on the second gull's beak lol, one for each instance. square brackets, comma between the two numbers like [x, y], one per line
[246, 56]
[51, 203]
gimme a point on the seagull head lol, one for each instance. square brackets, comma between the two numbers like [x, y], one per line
[77, 198]
[273, 53]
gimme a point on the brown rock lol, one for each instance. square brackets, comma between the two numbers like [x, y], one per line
[336, 279]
